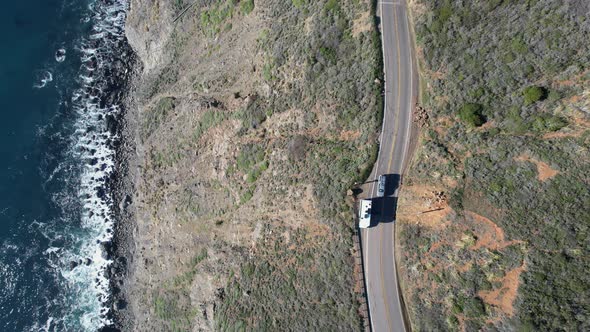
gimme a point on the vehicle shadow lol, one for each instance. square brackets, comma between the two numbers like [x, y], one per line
[384, 208]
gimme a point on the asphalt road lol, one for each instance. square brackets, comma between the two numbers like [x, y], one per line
[378, 241]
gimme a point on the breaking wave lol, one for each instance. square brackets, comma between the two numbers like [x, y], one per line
[42, 79]
[60, 55]
[80, 181]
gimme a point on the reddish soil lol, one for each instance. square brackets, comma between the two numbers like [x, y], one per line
[544, 171]
[419, 205]
[504, 297]
[489, 235]
[349, 135]
[580, 126]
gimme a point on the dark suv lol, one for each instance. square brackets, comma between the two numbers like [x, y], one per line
[381, 187]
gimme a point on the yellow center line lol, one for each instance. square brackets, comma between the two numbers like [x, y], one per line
[395, 124]
[396, 111]
[399, 93]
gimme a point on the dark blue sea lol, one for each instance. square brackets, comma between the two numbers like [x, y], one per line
[57, 144]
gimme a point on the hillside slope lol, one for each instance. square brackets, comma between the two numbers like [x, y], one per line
[494, 218]
[256, 118]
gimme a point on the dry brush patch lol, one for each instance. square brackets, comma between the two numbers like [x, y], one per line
[453, 271]
[504, 296]
[544, 171]
[514, 167]
[257, 122]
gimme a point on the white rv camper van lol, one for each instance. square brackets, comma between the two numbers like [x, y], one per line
[365, 213]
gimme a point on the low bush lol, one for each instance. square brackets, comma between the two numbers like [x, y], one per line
[247, 6]
[533, 94]
[472, 115]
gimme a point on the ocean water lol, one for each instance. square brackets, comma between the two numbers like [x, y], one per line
[60, 67]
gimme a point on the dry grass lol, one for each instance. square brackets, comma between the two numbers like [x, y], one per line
[349, 135]
[362, 24]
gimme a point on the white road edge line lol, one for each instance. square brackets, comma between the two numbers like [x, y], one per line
[367, 283]
[406, 148]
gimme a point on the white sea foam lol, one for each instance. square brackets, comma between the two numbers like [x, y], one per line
[52, 250]
[42, 79]
[7, 278]
[83, 263]
[60, 55]
[47, 325]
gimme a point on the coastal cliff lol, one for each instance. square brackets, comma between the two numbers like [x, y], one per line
[253, 118]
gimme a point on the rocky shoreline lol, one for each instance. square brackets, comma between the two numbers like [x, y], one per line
[121, 249]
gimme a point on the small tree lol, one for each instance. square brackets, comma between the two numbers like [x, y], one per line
[471, 114]
[533, 94]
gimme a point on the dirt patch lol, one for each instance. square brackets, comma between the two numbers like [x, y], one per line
[284, 123]
[362, 24]
[564, 134]
[349, 135]
[504, 297]
[575, 110]
[442, 125]
[486, 126]
[578, 127]
[544, 171]
[297, 209]
[575, 80]
[417, 9]
[423, 205]
[449, 182]
[489, 235]
[465, 267]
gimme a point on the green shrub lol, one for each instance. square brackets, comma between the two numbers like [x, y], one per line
[471, 114]
[165, 104]
[209, 119]
[453, 322]
[299, 3]
[211, 20]
[519, 46]
[473, 307]
[178, 5]
[533, 94]
[553, 96]
[515, 123]
[332, 5]
[247, 6]
[445, 12]
[546, 123]
[249, 156]
[456, 309]
[328, 54]
[247, 195]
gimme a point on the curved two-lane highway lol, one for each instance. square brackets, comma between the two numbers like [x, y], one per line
[378, 241]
